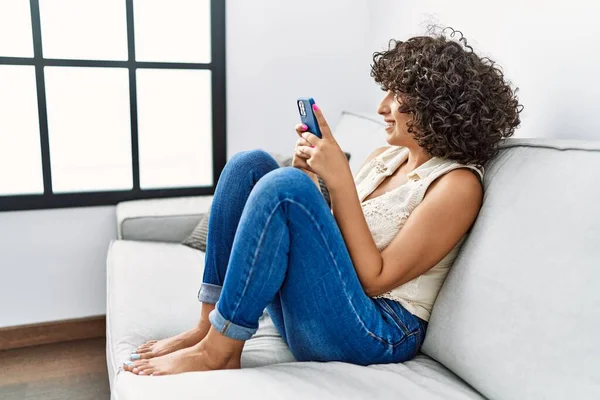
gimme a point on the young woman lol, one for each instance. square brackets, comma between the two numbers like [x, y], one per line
[357, 282]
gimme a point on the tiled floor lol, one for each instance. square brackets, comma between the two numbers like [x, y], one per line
[66, 371]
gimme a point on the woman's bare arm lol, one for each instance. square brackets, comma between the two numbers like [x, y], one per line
[446, 213]
[355, 231]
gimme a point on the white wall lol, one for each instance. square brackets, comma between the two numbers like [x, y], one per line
[280, 50]
[53, 261]
[550, 50]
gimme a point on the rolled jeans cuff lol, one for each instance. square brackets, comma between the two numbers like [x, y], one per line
[228, 328]
[209, 293]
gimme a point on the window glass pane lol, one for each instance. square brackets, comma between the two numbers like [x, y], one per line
[15, 29]
[175, 128]
[89, 128]
[20, 156]
[172, 30]
[86, 30]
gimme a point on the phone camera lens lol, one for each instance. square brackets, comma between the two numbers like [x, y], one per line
[301, 108]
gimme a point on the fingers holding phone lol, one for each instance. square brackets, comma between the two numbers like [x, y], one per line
[299, 158]
[323, 155]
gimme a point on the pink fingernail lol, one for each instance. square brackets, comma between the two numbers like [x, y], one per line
[315, 107]
[304, 126]
[312, 145]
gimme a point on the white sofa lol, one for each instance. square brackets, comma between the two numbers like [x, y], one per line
[517, 318]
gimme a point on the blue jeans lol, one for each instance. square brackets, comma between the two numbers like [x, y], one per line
[273, 243]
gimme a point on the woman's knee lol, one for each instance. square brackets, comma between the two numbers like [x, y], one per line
[287, 180]
[249, 159]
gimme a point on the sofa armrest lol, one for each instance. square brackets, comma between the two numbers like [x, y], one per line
[161, 220]
[152, 293]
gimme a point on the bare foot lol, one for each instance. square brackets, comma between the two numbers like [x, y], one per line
[157, 348]
[212, 353]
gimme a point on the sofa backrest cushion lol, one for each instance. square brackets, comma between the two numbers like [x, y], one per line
[519, 314]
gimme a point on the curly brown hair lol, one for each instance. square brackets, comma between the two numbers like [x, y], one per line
[460, 105]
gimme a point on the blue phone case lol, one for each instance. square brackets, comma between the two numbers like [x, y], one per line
[307, 116]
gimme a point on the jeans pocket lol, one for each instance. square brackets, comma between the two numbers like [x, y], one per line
[395, 317]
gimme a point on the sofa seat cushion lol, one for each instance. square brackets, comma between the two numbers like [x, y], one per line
[152, 290]
[419, 379]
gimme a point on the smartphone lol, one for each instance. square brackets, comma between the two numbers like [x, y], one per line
[307, 115]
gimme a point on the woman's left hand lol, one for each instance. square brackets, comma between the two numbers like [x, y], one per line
[325, 156]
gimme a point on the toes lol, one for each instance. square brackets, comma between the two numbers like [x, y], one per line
[146, 369]
[142, 355]
[146, 345]
[144, 350]
[147, 355]
[128, 366]
[144, 366]
[137, 370]
[137, 365]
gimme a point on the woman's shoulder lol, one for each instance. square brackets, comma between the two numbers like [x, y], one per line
[461, 183]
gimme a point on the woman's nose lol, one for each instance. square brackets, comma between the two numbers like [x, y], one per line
[383, 108]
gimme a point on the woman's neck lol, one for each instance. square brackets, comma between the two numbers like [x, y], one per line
[416, 157]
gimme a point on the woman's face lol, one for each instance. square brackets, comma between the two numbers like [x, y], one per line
[396, 129]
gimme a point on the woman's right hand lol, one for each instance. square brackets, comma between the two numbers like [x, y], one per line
[299, 158]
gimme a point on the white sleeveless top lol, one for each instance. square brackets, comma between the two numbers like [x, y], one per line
[387, 213]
